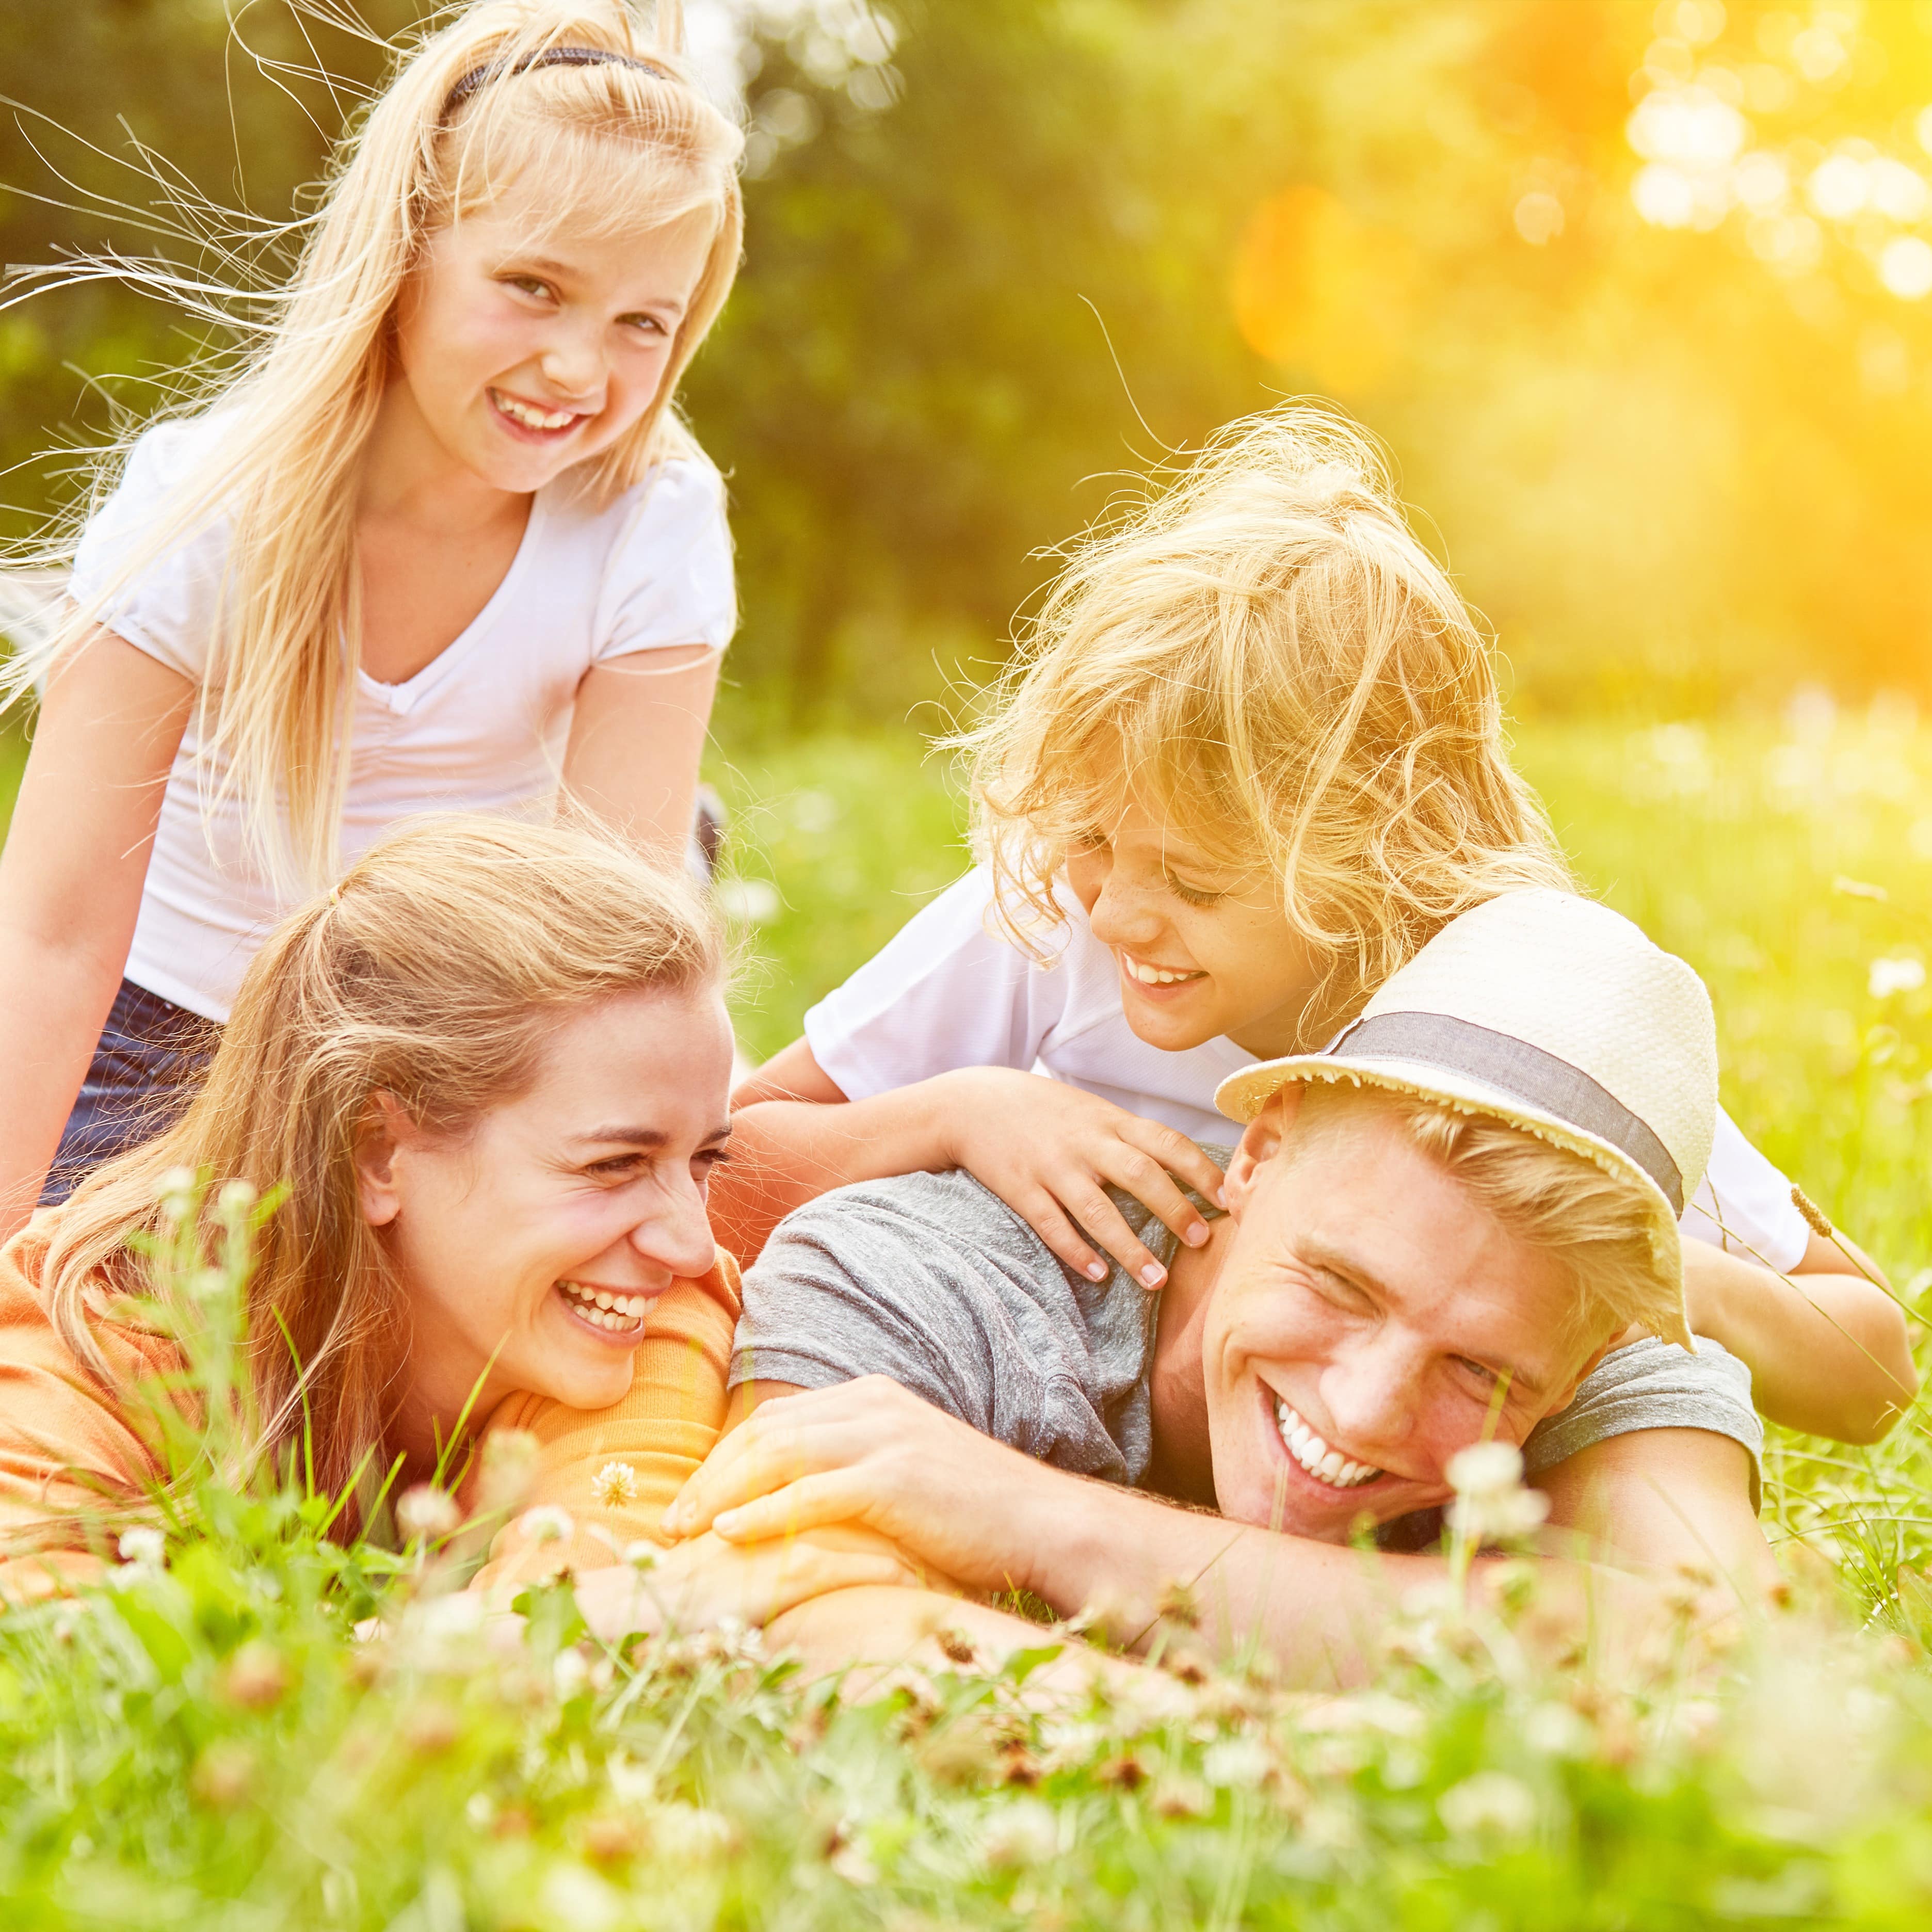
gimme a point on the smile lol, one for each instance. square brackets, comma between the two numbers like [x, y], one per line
[527, 415]
[615, 1314]
[1158, 975]
[1324, 1464]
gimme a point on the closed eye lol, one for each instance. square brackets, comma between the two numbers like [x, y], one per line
[618, 1165]
[1193, 895]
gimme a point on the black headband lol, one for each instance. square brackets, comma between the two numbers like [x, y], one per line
[478, 76]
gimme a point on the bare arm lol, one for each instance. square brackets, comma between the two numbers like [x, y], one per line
[991, 1518]
[70, 880]
[1827, 1347]
[637, 738]
[1048, 1150]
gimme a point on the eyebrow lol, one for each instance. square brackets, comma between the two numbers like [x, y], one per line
[1318, 1254]
[643, 1137]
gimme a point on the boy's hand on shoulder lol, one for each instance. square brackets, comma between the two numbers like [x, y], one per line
[1050, 1151]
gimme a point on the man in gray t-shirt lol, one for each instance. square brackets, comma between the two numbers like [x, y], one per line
[933, 1281]
[1436, 1231]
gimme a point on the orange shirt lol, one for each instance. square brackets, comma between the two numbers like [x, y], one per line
[67, 1444]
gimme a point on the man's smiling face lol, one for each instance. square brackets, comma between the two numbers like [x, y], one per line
[1369, 1318]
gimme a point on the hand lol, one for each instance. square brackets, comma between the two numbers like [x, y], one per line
[1048, 1151]
[700, 1583]
[869, 1453]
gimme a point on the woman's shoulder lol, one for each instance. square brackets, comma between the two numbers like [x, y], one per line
[30, 1335]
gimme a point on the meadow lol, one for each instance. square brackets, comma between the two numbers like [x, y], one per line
[207, 1745]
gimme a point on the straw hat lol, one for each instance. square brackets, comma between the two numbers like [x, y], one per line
[1556, 1015]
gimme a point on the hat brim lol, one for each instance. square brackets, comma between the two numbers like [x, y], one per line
[1242, 1095]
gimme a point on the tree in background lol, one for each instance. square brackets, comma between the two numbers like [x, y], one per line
[1638, 294]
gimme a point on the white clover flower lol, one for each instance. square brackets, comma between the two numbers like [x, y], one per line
[1491, 1804]
[546, 1524]
[1491, 1505]
[235, 1200]
[175, 1192]
[1025, 1832]
[615, 1485]
[1888, 976]
[571, 1673]
[642, 1554]
[509, 1467]
[1236, 1762]
[143, 1545]
[427, 1513]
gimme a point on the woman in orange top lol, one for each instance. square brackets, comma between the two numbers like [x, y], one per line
[492, 1067]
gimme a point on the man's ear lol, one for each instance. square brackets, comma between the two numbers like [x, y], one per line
[1266, 1135]
[386, 1130]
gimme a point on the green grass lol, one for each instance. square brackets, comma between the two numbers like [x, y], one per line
[209, 1746]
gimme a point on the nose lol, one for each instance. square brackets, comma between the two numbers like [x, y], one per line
[677, 1235]
[574, 363]
[1373, 1393]
[1124, 917]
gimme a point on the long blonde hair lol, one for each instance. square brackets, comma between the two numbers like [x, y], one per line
[1267, 653]
[435, 973]
[619, 145]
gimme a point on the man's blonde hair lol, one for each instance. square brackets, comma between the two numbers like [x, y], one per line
[617, 148]
[1266, 655]
[1593, 1221]
[436, 974]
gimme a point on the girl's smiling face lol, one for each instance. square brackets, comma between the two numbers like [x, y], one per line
[525, 348]
[1202, 952]
[532, 1246]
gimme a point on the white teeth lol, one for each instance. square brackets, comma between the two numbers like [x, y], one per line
[619, 1313]
[1155, 975]
[532, 418]
[1324, 1464]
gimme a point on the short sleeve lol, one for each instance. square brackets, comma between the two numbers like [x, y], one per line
[669, 578]
[1653, 1385]
[946, 992]
[1744, 1204]
[167, 609]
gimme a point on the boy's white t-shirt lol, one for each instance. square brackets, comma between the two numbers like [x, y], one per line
[483, 726]
[948, 991]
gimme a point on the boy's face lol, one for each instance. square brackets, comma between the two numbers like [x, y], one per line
[1201, 951]
[1369, 1320]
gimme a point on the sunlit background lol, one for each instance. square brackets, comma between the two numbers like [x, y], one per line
[1637, 295]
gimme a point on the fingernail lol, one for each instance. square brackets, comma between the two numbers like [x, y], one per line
[1097, 1270]
[726, 1522]
[1196, 1235]
[1221, 1199]
[1152, 1275]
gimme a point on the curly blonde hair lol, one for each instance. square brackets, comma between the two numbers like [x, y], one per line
[1267, 656]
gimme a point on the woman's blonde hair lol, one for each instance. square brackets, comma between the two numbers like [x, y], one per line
[623, 145]
[1266, 656]
[434, 973]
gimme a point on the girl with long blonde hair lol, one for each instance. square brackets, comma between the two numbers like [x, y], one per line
[442, 542]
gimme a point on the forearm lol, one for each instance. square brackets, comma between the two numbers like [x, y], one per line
[1828, 1352]
[785, 1152]
[54, 1000]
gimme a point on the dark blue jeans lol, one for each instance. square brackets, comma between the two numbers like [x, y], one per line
[151, 1057]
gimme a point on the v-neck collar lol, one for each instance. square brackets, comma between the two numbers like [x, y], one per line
[404, 697]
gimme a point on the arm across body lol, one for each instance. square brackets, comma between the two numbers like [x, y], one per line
[868, 1453]
[1048, 1150]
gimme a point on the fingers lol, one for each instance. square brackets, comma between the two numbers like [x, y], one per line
[1043, 1215]
[1175, 1154]
[764, 1455]
[813, 1502]
[1106, 1223]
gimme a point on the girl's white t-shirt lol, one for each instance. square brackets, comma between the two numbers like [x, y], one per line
[483, 726]
[949, 991]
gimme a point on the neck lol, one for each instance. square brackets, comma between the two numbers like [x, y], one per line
[423, 1426]
[408, 477]
[1183, 1463]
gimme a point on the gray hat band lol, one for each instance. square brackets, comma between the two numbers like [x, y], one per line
[1540, 1080]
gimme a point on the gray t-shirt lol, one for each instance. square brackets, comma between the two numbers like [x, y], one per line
[932, 1279]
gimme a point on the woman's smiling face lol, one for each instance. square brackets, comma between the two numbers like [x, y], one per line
[1202, 952]
[532, 1246]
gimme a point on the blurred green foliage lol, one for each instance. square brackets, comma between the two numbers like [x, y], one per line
[1675, 465]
